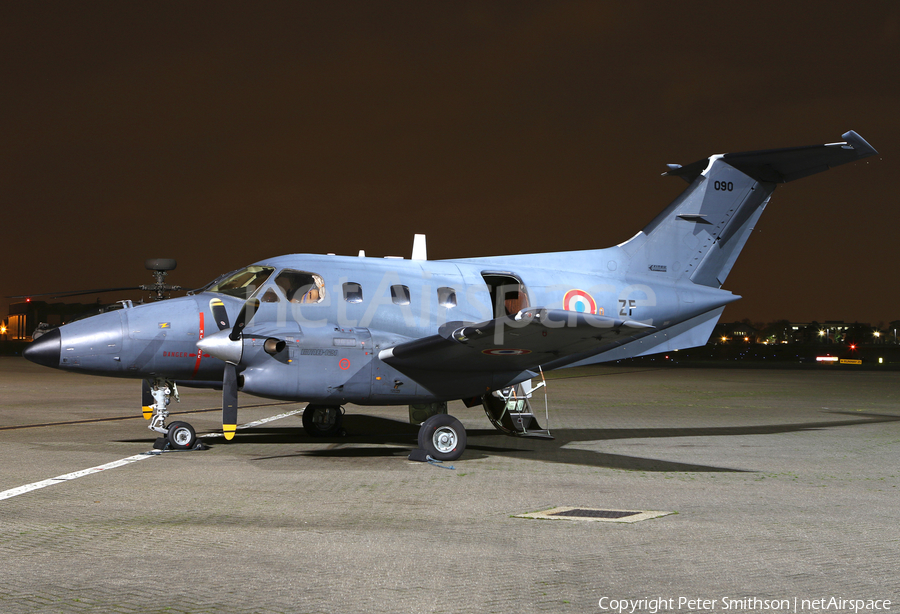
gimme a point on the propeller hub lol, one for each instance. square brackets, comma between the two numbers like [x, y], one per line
[222, 347]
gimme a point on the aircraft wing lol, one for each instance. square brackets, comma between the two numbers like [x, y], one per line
[533, 337]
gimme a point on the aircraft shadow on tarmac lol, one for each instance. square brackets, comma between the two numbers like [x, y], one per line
[372, 437]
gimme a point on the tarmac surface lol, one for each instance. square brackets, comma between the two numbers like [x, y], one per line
[782, 484]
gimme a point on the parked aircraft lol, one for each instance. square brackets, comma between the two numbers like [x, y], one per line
[331, 330]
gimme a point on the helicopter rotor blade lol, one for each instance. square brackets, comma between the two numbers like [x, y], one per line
[76, 292]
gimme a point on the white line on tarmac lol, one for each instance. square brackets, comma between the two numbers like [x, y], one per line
[21, 490]
[250, 425]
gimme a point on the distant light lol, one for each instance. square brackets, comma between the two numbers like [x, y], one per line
[2, 329]
[852, 346]
[881, 361]
[826, 358]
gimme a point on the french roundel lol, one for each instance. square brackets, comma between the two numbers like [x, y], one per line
[579, 300]
[505, 352]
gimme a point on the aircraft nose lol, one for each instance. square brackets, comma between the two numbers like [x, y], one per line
[45, 349]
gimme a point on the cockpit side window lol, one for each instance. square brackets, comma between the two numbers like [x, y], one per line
[300, 286]
[243, 283]
[269, 296]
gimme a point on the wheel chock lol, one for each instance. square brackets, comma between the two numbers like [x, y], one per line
[419, 455]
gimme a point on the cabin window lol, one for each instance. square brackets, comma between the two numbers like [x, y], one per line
[400, 295]
[301, 286]
[353, 292]
[243, 283]
[446, 297]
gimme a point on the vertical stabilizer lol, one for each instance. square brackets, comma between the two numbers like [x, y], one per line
[700, 235]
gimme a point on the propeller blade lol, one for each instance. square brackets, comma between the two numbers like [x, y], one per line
[230, 376]
[229, 401]
[244, 317]
[146, 400]
[219, 313]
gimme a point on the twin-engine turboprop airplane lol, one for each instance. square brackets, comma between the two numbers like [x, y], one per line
[331, 330]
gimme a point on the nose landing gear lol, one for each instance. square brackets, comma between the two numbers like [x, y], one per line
[157, 395]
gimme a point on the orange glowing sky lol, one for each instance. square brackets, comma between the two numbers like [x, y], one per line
[220, 134]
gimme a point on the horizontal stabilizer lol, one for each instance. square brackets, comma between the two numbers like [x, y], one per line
[783, 165]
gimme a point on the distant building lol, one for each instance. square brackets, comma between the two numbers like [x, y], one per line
[25, 317]
[734, 331]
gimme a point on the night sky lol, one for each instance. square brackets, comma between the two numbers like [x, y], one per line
[222, 133]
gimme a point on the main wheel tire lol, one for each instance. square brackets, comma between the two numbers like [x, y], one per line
[443, 437]
[181, 436]
[323, 420]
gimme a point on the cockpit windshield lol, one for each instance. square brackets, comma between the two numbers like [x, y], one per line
[243, 283]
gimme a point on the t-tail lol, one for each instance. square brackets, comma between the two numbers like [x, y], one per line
[700, 235]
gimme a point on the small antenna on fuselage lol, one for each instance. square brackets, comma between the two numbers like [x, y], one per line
[419, 252]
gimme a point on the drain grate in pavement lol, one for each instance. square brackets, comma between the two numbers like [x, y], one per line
[592, 514]
[582, 513]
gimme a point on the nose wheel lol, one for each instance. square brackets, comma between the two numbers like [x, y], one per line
[181, 436]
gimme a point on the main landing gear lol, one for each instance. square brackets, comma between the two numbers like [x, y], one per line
[323, 420]
[442, 437]
[157, 395]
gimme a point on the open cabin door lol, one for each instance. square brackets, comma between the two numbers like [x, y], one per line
[508, 294]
